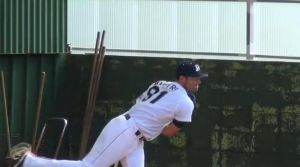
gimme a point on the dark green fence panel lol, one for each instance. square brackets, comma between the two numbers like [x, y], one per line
[33, 26]
[22, 79]
[247, 112]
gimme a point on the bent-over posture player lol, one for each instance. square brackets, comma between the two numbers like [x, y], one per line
[162, 109]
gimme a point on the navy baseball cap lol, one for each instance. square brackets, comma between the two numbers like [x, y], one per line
[190, 69]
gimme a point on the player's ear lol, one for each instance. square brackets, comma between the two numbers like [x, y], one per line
[182, 78]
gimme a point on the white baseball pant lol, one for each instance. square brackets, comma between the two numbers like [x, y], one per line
[117, 142]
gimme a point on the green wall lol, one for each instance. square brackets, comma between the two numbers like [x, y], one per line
[22, 74]
[247, 112]
[33, 26]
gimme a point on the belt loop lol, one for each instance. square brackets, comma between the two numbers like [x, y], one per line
[138, 134]
[127, 116]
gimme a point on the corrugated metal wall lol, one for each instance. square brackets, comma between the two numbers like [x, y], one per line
[159, 25]
[33, 26]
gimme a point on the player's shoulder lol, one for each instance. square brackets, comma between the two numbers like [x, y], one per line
[186, 102]
[166, 85]
[159, 82]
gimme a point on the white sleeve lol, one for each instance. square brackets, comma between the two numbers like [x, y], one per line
[184, 111]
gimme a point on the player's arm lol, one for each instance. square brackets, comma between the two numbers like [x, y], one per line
[184, 113]
[173, 128]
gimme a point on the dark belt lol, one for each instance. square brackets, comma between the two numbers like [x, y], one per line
[137, 133]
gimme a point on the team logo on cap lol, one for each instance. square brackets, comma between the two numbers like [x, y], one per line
[197, 67]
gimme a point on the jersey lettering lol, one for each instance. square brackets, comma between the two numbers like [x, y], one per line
[153, 91]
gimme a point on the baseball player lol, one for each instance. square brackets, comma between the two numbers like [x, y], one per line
[164, 108]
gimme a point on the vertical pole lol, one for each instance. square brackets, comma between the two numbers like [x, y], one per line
[5, 111]
[92, 94]
[249, 54]
[39, 105]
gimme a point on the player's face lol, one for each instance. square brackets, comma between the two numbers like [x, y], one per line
[192, 83]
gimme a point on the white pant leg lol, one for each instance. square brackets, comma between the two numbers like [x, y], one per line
[34, 161]
[115, 142]
[135, 158]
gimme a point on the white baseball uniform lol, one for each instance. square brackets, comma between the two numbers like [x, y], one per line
[120, 140]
